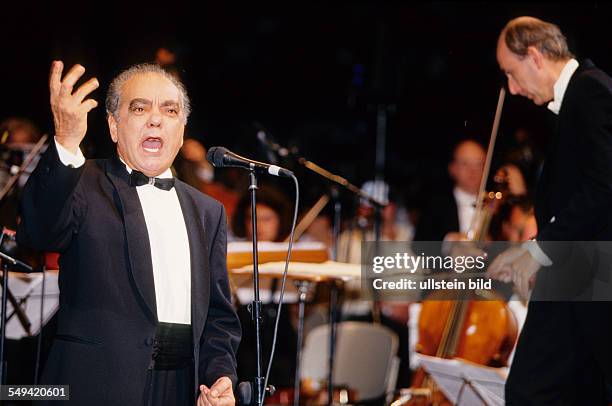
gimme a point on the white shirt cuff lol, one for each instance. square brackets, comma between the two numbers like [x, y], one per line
[68, 158]
[536, 253]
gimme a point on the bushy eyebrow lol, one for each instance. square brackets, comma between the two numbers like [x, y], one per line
[146, 102]
[170, 103]
[139, 101]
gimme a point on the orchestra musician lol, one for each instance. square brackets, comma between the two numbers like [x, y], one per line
[452, 212]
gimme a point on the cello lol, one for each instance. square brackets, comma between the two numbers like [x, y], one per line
[478, 329]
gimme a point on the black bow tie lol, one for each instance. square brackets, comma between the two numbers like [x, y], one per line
[138, 179]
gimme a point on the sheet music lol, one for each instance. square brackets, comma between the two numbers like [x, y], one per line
[267, 246]
[451, 374]
[330, 269]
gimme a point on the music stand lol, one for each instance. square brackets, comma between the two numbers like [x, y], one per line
[466, 383]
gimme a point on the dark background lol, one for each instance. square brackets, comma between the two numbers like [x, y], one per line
[313, 74]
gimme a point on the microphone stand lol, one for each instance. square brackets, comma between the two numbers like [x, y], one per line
[255, 310]
[333, 294]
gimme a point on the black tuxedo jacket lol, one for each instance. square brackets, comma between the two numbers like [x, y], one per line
[573, 201]
[107, 316]
[574, 193]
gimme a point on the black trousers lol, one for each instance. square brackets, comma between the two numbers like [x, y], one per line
[169, 387]
[170, 377]
[563, 356]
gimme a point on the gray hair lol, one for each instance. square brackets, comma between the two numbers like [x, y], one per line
[523, 32]
[113, 97]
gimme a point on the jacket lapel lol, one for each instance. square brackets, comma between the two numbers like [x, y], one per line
[199, 255]
[136, 235]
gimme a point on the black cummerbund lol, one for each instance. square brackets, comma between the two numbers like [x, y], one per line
[173, 346]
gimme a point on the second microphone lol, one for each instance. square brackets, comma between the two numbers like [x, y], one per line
[221, 157]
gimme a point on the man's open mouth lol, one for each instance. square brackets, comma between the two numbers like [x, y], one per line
[152, 144]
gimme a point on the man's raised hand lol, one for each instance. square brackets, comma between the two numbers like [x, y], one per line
[70, 107]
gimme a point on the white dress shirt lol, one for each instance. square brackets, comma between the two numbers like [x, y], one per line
[168, 241]
[560, 85]
[466, 207]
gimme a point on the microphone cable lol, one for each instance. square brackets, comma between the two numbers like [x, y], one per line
[283, 283]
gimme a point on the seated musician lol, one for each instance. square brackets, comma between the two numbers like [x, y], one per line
[395, 222]
[452, 212]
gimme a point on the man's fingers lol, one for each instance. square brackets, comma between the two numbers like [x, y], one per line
[522, 283]
[226, 401]
[207, 401]
[86, 88]
[202, 401]
[505, 275]
[88, 105]
[55, 75]
[525, 286]
[223, 384]
[500, 269]
[496, 268]
[516, 282]
[502, 264]
[70, 79]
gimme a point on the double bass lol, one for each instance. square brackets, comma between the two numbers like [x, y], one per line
[478, 329]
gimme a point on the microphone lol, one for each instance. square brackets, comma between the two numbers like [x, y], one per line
[19, 266]
[222, 157]
[244, 393]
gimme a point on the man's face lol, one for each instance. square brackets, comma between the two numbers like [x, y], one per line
[526, 77]
[268, 223]
[150, 127]
[467, 166]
